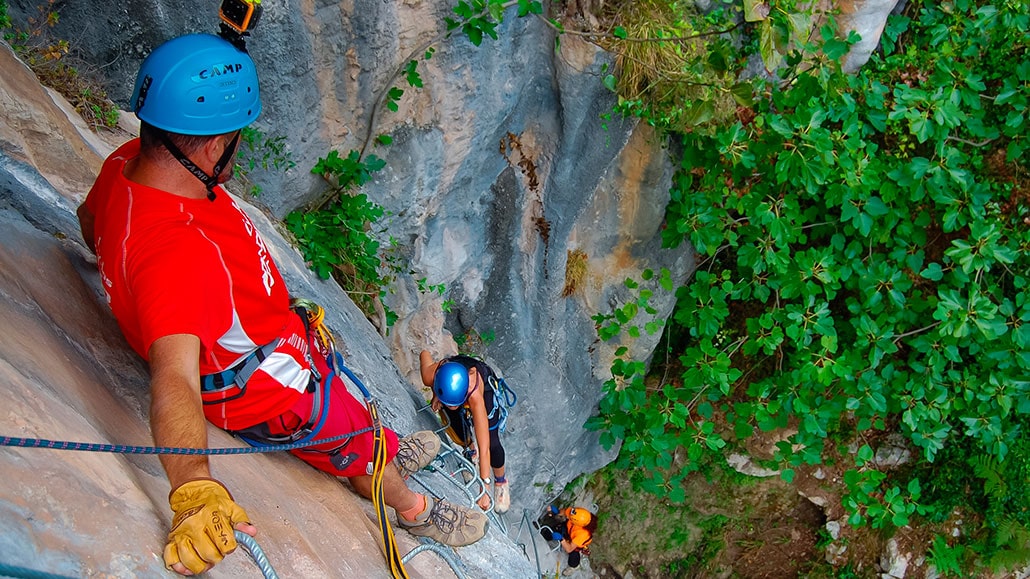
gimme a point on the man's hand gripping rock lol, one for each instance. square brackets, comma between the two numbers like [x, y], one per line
[203, 528]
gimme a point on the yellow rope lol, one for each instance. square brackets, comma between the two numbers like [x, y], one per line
[316, 319]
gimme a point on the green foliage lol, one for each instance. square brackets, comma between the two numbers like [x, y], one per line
[673, 67]
[964, 479]
[474, 343]
[339, 241]
[947, 559]
[259, 150]
[865, 503]
[5, 19]
[1013, 542]
[864, 258]
[477, 18]
[438, 289]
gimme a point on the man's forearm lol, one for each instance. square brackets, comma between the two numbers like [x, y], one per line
[176, 420]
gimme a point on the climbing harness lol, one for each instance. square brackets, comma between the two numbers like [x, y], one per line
[237, 375]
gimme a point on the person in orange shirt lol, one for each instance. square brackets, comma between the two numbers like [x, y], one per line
[575, 535]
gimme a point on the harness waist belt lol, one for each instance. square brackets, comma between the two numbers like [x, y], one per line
[238, 374]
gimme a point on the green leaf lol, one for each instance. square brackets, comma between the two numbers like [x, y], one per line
[768, 46]
[865, 454]
[800, 24]
[619, 32]
[835, 48]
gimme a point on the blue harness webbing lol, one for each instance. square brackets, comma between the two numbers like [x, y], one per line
[238, 374]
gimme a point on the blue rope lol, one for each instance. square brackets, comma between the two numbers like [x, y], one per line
[23, 573]
[446, 554]
[251, 547]
[343, 368]
[125, 449]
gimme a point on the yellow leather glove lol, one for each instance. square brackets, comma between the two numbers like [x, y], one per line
[202, 530]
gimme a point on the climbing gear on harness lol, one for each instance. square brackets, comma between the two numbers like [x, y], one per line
[318, 386]
[202, 529]
[445, 523]
[197, 84]
[504, 400]
[322, 340]
[451, 384]
[416, 451]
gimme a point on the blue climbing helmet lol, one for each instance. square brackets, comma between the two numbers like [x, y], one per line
[198, 84]
[451, 384]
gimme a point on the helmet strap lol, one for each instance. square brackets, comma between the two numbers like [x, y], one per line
[209, 181]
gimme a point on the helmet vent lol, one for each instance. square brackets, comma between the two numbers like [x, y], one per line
[143, 90]
[200, 99]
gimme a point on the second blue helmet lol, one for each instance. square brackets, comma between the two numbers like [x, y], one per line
[451, 384]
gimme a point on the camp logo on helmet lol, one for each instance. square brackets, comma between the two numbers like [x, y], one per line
[217, 70]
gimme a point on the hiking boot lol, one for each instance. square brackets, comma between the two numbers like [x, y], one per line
[502, 498]
[416, 451]
[445, 523]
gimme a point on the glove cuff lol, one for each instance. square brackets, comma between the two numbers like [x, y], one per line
[205, 480]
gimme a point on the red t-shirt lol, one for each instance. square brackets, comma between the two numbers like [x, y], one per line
[173, 265]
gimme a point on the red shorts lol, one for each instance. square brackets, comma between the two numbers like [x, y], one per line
[347, 457]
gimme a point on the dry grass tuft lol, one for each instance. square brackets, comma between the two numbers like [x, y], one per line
[575, 272]
[673, 78]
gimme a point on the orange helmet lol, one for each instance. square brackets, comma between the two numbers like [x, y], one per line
[578, 516]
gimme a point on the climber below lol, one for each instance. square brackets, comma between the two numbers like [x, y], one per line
[465, 388]
[573, 528]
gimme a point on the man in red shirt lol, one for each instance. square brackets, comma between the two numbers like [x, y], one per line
[197, 295]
